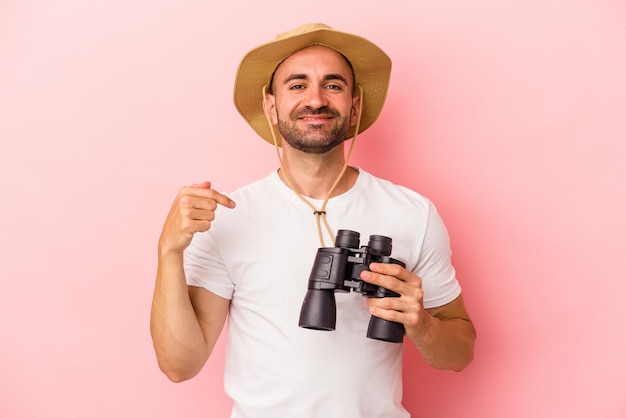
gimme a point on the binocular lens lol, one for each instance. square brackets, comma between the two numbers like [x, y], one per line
[381, 329]
[319, 310]
[381, 244]
[347, 239]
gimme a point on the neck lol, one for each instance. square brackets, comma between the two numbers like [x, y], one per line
[313, 175]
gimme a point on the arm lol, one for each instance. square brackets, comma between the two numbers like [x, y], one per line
[444, 336]
[185, 322]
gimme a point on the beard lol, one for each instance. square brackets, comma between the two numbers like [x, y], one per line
[314, 139]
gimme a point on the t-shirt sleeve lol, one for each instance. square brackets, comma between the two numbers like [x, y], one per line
[439, 281]
[205, 268]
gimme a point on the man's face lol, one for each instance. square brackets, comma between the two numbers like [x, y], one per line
[312, 101]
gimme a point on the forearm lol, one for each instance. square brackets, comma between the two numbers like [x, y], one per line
[178, 339]
[446, 343]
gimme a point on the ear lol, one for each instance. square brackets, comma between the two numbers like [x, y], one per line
[269, 105]
[356, 105]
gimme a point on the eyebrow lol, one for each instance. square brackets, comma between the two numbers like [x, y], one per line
[332, 76]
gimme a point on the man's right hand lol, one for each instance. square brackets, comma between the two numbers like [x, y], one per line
[184, 334]
[193, 211]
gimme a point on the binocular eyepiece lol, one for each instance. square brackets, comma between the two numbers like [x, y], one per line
[338, 269]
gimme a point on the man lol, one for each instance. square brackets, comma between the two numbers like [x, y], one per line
[306, 92]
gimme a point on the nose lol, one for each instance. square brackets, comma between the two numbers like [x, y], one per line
[315, 97]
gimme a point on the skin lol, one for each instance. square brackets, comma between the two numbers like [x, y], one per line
[185, 321]
[313, 105]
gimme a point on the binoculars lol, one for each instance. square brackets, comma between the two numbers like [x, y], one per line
[338, 269]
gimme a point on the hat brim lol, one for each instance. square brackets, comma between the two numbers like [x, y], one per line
[372, 71]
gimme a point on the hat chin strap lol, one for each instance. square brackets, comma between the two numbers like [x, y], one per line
[320, 214]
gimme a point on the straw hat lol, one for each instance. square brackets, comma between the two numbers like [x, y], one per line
[372, 70]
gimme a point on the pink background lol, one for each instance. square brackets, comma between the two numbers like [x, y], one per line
[509, 115]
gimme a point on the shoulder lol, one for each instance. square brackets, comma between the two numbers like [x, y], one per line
[256, 186]
[383, 188]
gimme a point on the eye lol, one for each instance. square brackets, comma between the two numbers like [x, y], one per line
[296, 87]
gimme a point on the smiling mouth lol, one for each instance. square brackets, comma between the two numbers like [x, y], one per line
[316, 115]
[315, 122]
[316, 118]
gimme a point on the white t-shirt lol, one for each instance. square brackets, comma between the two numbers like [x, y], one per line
[260, 255]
